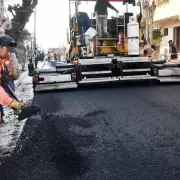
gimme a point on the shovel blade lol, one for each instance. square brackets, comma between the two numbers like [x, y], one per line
[29, 111]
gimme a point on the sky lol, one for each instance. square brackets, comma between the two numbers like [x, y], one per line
[53, 20]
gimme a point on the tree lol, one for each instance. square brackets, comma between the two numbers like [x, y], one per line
[24, 36]
[148, 17]
[21, 15]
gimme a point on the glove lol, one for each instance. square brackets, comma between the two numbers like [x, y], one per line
[16, 105]
[15, 74]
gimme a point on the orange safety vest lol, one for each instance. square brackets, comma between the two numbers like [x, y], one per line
[5, 63]
[149, 52]
[9, 66]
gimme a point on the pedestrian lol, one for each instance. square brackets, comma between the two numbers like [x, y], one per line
[55, 56]
[7, 46]
[101, 8]
[173, 50]
[49, 56]
[35, 56]
[42, 56]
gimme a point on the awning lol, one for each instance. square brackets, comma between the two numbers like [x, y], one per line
[167, 21]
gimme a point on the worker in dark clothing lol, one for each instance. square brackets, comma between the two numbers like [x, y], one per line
[36, 57]
[133, 2]
[173, 50]
[101, 8]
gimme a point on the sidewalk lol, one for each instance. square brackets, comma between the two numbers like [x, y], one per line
[12, 128]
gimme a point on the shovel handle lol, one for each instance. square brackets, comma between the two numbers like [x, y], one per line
[12, 93]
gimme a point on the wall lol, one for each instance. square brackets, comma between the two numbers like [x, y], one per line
[167, 10]
[167, 16]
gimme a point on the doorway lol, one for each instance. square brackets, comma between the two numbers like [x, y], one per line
[177, 37]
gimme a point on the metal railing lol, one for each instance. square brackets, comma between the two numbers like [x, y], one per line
[117, 25]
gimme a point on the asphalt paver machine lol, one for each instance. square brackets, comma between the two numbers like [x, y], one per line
[95, 59]
[113, 58]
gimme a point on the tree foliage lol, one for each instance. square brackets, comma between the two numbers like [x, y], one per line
[21, 15]
[148, 17]
[24, 35]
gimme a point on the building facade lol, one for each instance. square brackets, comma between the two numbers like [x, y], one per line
[167, 17]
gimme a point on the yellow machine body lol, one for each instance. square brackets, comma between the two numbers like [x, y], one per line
[111, 49]
[107, 46]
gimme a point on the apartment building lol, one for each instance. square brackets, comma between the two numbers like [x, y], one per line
[167, 17]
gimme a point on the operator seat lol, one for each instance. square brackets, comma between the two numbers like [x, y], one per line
[111, 25]
[83, 21]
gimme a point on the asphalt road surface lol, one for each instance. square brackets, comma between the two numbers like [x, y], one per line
[119, 133]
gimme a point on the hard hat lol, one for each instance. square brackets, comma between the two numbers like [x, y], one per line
[9, 43]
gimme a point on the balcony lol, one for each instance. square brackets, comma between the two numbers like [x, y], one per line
[161, 2]
[167, 10]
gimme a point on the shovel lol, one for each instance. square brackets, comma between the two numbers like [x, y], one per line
[27, 111]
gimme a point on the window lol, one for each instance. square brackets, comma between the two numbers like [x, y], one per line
[166, 32]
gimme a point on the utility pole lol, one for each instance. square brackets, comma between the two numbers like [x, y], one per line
[35, 13]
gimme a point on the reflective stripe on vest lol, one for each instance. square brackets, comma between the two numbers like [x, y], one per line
[6, 65]
[9, 66]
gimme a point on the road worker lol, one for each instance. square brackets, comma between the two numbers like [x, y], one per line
[173, 50]
[147, 49]
[7, 46]
[101, 8]
[153, 53]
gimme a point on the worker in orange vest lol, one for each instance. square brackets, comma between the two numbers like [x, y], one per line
[6, 46]
[147, 50]
[13, 73]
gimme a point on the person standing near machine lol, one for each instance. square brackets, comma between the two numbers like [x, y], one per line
[173, 50]
[101, 8]
[36, 57]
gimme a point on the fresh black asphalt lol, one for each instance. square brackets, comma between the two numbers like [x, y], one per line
[118, 133]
